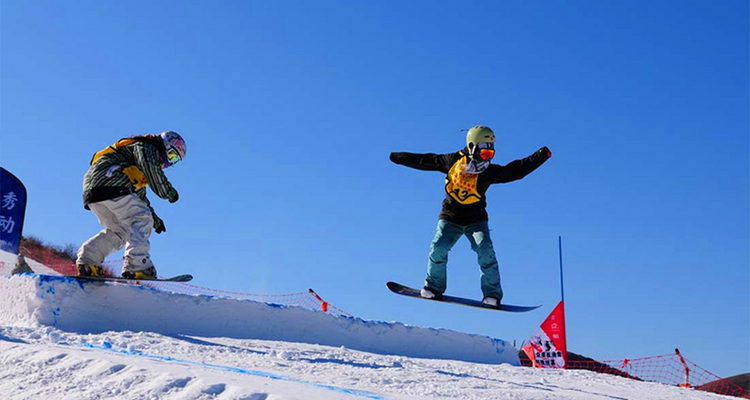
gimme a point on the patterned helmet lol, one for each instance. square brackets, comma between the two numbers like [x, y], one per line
[175, 147]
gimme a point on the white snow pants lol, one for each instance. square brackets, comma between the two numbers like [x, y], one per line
[127, 221]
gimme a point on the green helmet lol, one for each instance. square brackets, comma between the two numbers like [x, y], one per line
[480, 134]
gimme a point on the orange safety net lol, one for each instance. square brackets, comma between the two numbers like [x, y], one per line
[309, 299]
[670, 369]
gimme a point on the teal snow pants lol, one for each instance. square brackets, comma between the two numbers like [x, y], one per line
[446, 236]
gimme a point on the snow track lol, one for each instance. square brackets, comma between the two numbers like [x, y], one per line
[47, 363]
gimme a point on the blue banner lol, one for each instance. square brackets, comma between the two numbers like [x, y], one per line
[12, 211]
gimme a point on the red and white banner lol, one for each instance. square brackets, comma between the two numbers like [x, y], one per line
[547, 348]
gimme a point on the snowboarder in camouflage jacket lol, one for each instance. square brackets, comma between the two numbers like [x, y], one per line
[114, 189]
[469, 175]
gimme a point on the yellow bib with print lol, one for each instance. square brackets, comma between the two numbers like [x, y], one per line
[135, 175]
[461, 186]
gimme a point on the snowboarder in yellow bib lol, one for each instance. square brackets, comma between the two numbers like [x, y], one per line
[470, 173]
[114, 189]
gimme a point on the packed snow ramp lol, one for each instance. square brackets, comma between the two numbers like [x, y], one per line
[78, 306]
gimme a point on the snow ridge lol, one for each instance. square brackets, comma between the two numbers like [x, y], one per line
[108, 347]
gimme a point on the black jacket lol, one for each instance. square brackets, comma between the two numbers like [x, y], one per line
[465, 201]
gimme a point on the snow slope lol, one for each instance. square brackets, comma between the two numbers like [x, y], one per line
[65, 340]
[46, 363]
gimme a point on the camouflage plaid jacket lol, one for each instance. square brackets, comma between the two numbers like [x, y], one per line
[127, 166]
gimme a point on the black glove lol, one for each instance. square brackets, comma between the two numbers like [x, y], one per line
[158, 223]
[545, 150]
[173, 196]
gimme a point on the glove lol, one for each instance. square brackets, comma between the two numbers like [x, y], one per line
[545, 150]
[158, 223]
[173, 196]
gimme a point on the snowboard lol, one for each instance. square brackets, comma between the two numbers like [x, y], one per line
[178, 278]
[411, 292]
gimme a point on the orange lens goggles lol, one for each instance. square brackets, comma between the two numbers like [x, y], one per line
[486, 154]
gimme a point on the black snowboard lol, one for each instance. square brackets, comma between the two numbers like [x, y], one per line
[178, 278]
[411, 292]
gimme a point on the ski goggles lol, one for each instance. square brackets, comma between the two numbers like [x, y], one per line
[486, 154]
[170, 158]
[486, 151]
[173, 156]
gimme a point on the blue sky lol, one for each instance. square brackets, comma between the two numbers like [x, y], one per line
[290, 109]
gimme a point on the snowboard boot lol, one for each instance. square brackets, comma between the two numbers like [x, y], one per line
[146, 274]
[490, 302]
[90, 270]
[429, 293]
